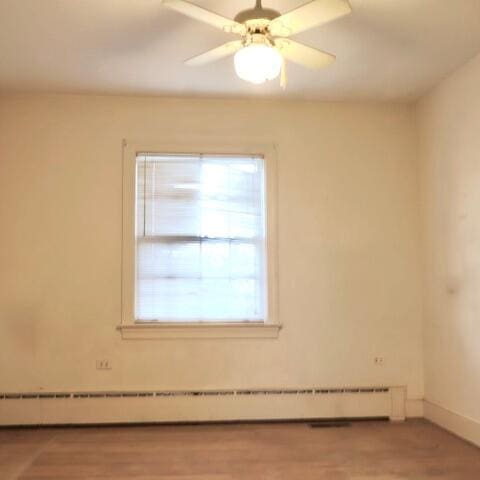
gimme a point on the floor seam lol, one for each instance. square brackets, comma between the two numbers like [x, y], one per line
[28, 463]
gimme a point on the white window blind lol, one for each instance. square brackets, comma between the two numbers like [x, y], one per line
[200, 238]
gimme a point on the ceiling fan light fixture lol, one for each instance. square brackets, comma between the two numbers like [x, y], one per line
[257, 63]
[264, 47]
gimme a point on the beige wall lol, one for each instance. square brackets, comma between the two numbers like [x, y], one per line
[449, 133]
[348, 245]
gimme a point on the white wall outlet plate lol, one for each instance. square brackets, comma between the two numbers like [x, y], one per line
[104, 364]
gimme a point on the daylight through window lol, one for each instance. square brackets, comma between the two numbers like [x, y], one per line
[200, 238]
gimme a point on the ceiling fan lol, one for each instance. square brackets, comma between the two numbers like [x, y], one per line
[264, 46]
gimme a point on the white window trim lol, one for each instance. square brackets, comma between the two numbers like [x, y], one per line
[152, 330]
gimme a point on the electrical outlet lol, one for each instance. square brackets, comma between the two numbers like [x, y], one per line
[104, 364]
[379, 361]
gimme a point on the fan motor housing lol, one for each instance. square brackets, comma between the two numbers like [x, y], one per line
[256, 13]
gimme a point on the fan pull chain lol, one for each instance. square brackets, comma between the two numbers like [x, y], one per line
[283, 74]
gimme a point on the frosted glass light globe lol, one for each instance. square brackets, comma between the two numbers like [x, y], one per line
[258, 63]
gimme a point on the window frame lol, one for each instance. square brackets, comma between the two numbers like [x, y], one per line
[129, 328]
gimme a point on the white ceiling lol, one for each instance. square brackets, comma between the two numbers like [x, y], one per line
[387, 49]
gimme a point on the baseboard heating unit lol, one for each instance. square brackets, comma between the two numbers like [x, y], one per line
[62, 408]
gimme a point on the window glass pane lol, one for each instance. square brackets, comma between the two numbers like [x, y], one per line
[200, 238]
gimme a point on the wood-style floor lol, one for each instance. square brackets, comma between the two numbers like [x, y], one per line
[415, 450]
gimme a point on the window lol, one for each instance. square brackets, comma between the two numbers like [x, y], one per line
[198, 243]
[200, 238]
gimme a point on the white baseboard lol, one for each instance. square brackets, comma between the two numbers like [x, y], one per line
[462, 426]
[87, 409]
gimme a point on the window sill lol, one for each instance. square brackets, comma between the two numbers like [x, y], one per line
[166, 331]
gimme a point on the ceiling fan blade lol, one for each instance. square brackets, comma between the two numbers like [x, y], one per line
[216, 54]
[312, 14]
[201, 14]
[303, 55]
